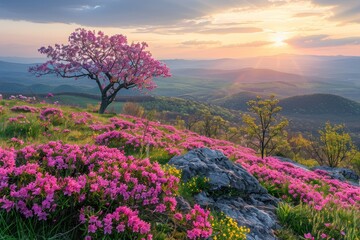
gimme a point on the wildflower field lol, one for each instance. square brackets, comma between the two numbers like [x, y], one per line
[66, 173]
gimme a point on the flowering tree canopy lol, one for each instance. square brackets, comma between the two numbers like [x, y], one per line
[110, 61]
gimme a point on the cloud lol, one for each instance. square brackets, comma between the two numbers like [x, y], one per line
[306, 14]
[184, 26]
[201, 27]
[200, 43]
[230, 30]
[119, 13]
[316, 41]
[343, 10]
[250, 44]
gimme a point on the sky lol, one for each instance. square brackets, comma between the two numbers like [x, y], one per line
[189, 29]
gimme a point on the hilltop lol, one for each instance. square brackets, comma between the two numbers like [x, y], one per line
[66, 141]
[313, 104]
[316, 104]
[236, 101]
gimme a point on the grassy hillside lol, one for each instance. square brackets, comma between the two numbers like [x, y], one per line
[172, 105]
[188, 107]
[67, 182]
[308, 113]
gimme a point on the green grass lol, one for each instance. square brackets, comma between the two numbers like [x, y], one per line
[83, 102]
[334, 221]
[15, 226]
[159, 155]
[33, 130]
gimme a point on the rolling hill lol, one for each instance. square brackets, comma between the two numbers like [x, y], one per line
[206, 80]
[13, 67]
[208, 84]
[248, 75]
[316, 104]
[236, 101]
[299, 64]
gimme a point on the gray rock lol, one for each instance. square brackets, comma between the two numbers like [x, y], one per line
[292, 162]
[342, 174]
[182, 204]
[203, 200]
[232, 191]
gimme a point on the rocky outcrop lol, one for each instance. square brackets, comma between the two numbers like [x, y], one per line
[232, 190]
[342, 174]
[296, 164]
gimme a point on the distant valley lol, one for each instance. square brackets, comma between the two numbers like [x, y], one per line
[312, 89]
[206, 80]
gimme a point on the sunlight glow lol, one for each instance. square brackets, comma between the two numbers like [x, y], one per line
[278, 40]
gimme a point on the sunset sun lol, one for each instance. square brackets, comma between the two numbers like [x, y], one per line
[279, 40]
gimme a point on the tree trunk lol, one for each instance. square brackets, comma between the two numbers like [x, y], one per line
[262, 144]
[104, 104]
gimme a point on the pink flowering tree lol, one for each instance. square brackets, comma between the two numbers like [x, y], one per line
[108, 60]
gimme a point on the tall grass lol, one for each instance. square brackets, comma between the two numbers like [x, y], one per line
[32, 128]
[15, 226]
[332, 221]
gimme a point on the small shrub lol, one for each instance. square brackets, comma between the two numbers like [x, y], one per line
[16, 142]
[225, 228]
[53, 115]
[286, 234]
[120, 140]
[133, 109]
[81, 118]
[195, 185]
[24, 109]
[172, 170]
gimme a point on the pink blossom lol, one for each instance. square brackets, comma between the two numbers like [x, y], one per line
[178, 216]
[308, 236]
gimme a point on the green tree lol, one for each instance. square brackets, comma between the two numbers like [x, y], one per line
[192, 119]
[263, 126]
[333, 146]
[210, 125]
[298, 144]
[231, 133]
[355, 162]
